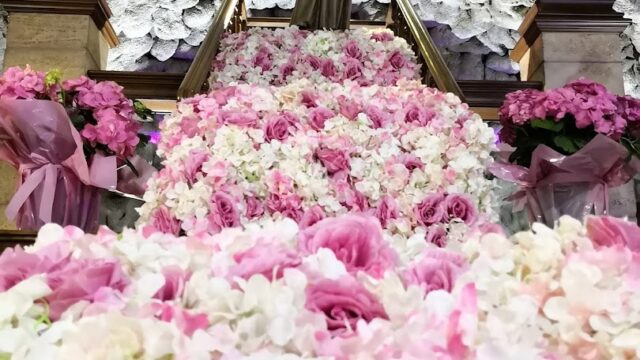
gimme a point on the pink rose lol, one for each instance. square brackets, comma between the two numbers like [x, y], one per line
[411, 162]
[80, 280]
[352, 50]
[268, 260]
[382, 36]
[287, 205]
[352, 69]
[224, 213]
[431, 210]
[193, 165]
[17, 265]
[314, 61]
[263, 59]
[418, 114]
[333, 160]
[356, 240]
[459, 206]
[387, 209]
[308, 98]
[438, 269]
[608, 231]
[279, 127]
[311, 217]
[328, 68]
[185, 321]
[286, 70]
[174, 281]
[248, 119]
[397, 60]
[350, 109]
[437, 235]
[318, 116]
[162, 221]
[377, 116]
[343, 302]
[254, 207]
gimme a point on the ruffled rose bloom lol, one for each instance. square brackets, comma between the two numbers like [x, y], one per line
[437, 235]
[286, 70]
[314, 61]
[287, 205]
[268, 260]
[377, 116]
[334, 160]
[224, 212]
[328, 68]
[254, 207]
[431, 210]
[263, 60]
[352, 50]
[382, 36]
[279, 127]
[411, 162]
[387, 209]
[162, 221]
[343, 302]
[312, 216]
[397, 60]
[318, 116]
[356, 240]
[248, 119]
[438, 269]
[80, 280]
[459, 206]
[352, 69]
[608, 231]
[418, 114]
[174, 280]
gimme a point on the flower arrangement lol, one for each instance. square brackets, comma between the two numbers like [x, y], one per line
[567, 118]
[565, 293]
[333, 290]
[411, 155]
[105, 118]
[67, 140]
[281, 56]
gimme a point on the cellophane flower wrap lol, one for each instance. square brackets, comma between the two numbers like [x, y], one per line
[281, 56]
[66, 139]
[334, 290]
[410, 155]
[558, 136]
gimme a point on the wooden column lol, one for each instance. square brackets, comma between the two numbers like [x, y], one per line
[563, 40]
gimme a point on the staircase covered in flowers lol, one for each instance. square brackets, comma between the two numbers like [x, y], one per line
[309, 124]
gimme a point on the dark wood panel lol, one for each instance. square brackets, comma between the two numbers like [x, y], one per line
[11, 238]
[488, 93]
[97, 9]
[143, 85]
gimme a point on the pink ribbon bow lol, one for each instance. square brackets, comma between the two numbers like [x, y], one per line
[584, 177]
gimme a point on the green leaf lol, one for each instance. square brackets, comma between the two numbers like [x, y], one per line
[547, 124]
[565, 143]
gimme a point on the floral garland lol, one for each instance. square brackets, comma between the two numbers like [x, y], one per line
[281, 56]
[305, 152]
[334, 290]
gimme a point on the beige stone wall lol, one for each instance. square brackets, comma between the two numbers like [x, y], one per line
[70, 43]
[8, 180]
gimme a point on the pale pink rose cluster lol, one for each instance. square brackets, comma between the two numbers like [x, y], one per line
[326, 290]
[281, 56]
[243, 153]
[565, 293]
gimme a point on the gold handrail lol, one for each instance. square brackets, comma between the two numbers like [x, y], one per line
[427, 49]
[230, 14]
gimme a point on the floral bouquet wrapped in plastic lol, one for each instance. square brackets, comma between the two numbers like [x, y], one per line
[571, 144]
[66, 140]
